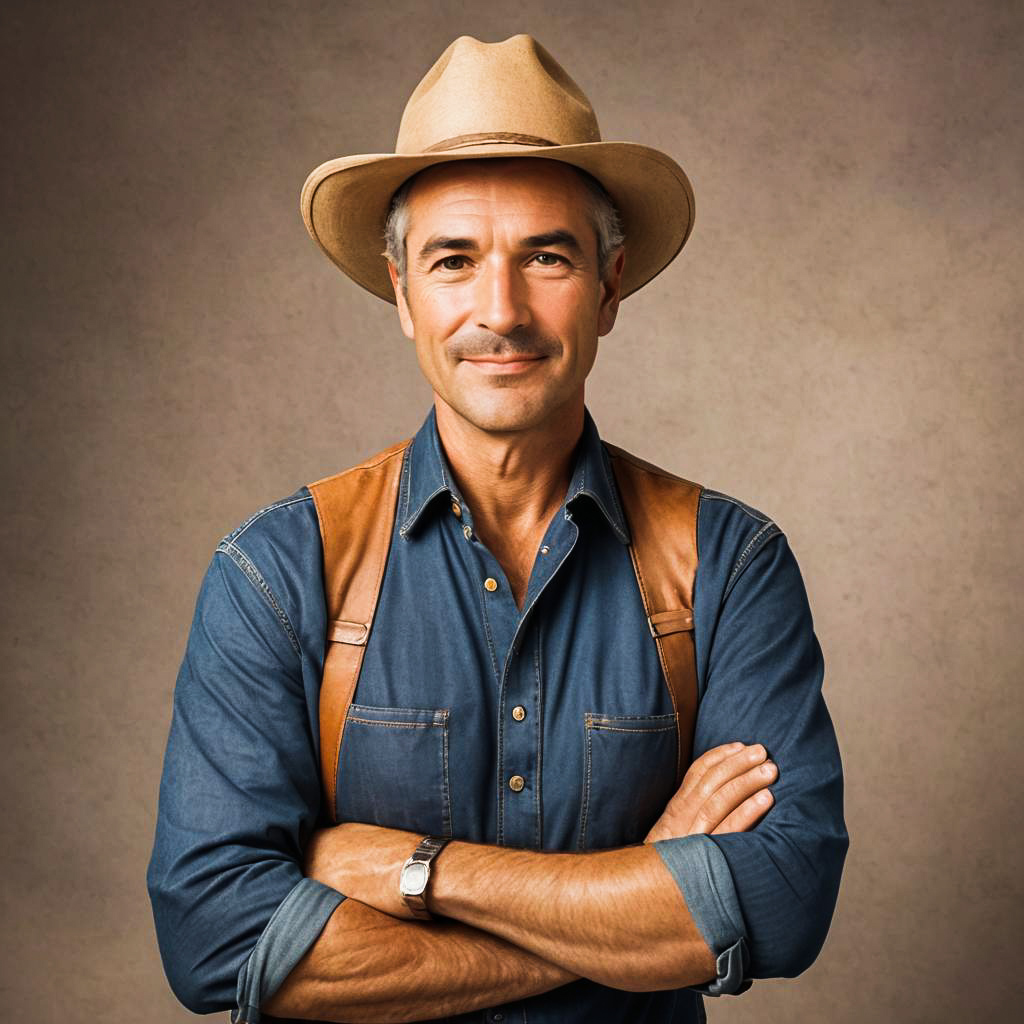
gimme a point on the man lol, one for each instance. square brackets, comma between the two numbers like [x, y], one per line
[511, 709]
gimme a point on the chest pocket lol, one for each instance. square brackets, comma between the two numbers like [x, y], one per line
[393, 769]
[629, 777]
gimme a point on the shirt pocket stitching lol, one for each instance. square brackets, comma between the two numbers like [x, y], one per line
[395, 725]
[594, 722]
[431, 718]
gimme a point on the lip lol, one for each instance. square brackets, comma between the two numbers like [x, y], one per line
[504, 365]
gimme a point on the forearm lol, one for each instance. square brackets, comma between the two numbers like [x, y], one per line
[614, 916]
[369, 966]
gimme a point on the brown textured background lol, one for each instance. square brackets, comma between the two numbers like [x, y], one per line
[839, 344]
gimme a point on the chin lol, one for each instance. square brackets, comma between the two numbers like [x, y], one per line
[503, 416]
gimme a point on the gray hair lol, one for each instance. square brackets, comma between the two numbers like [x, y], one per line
[603, 216]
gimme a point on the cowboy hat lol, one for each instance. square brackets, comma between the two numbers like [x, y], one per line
[497, 100]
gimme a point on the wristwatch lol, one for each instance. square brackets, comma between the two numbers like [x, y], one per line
[416, 874]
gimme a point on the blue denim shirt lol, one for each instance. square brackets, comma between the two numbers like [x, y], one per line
[447, 662]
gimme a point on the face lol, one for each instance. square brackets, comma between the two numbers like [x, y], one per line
[504, 299]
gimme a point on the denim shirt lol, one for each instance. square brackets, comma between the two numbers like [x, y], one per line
[459, 693]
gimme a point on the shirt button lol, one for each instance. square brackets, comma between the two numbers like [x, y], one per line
[457, 509]
[490, 584]
[497, 1016]
[467, 531]
[519, 712]
[516, 783]
[544, 550]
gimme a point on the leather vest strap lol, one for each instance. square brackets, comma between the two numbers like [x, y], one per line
[661, 510]
[356, 510]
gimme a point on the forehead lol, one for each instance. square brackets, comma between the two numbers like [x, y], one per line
[500, 187]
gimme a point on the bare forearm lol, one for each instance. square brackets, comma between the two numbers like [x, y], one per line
[614, 916]
[369, 966]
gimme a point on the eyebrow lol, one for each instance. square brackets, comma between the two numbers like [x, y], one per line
[440, 242]
[561, 237]
[549, 239]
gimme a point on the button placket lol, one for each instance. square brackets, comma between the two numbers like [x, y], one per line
[519, 805]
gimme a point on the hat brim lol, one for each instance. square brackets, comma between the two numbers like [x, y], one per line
[345, 203]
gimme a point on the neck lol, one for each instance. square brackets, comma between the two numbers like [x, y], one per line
[512, 481]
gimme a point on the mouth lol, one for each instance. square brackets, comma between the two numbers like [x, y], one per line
[505, 364]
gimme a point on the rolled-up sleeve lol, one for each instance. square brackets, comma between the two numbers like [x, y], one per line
[239, 797]
[764, 899]
[702, 874]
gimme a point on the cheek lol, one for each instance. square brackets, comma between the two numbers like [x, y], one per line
[436, 314]
[572, 305]
[436, 302]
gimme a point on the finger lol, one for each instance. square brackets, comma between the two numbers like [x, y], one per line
[708, 760]
[731, 795]
[748, 814]
[724, 771]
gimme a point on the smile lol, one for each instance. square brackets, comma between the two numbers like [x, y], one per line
[513, 364]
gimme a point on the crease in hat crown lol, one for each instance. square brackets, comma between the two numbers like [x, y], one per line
[484, 100]
[473, 96]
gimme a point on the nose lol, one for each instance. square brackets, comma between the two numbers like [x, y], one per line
[501, 298]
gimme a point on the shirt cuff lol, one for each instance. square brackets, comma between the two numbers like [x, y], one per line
[291, 930]
[702, 873]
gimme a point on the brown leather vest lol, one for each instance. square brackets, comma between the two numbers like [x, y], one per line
[661, 510]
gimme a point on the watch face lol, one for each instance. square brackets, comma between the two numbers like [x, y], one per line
[414, 878]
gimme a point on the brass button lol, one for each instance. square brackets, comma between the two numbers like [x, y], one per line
[490, 584]
[467, 532]
[544, 550]
[516, 783]
[457, 509]
[519, 712]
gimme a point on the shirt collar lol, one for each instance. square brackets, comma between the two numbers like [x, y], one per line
[426, 475]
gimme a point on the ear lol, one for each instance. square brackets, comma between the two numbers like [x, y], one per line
[404, 316]
[611, 287]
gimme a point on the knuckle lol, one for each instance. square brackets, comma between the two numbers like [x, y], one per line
[706, 790]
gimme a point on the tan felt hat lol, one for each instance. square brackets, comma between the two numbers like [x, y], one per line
[488, 100]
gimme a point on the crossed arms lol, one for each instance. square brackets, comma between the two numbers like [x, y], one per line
[240, 796]
[513, 923]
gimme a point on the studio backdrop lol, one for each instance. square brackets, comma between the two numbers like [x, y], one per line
[839, 345]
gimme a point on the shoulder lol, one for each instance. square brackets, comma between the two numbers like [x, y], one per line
[278, 556]
[289, 528]
[730, 534]
[286, 526]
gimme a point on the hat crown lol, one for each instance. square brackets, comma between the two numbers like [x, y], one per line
[511, 92]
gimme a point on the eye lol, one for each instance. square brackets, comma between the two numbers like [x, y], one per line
[452, 263]
[548, 259]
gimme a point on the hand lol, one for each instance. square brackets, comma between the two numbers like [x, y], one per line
[364, 862]
[724, 790]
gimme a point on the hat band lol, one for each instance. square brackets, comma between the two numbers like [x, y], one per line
[458, 141]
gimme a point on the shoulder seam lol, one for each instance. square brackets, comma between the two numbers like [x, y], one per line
[763, 535]
[283, 503]
[718, 496]
[255, 577]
